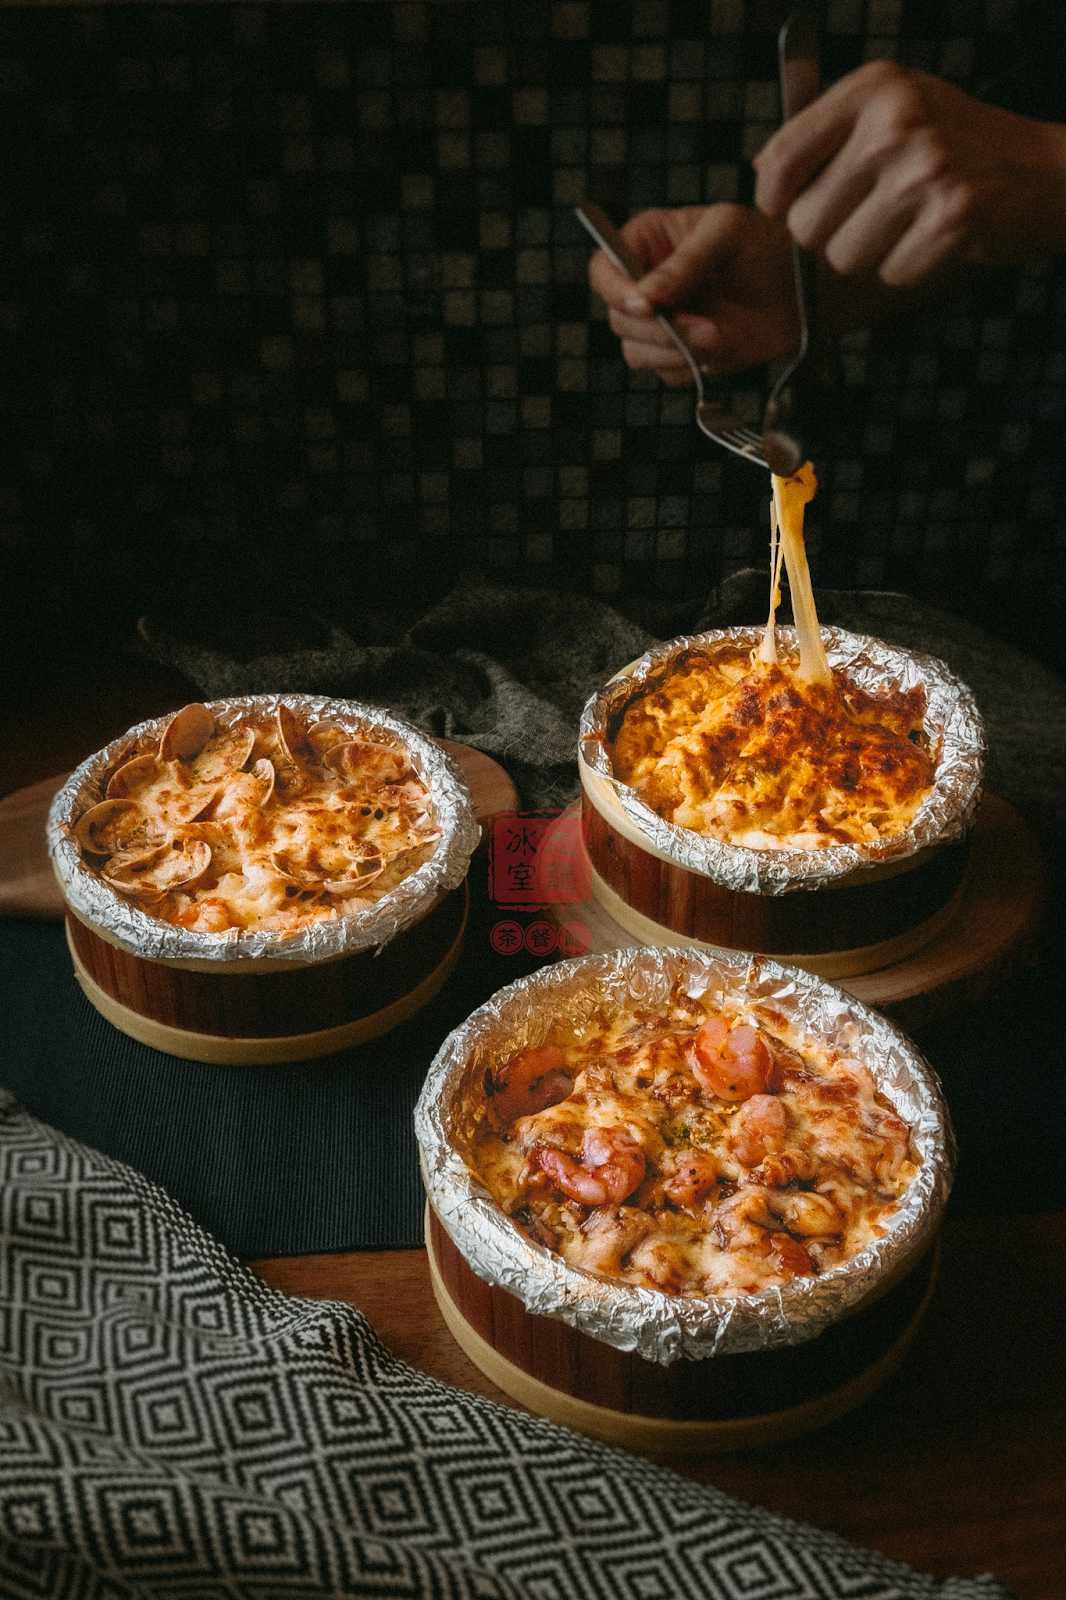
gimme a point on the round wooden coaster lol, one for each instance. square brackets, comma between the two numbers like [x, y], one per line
[994, 921]
[491, 788]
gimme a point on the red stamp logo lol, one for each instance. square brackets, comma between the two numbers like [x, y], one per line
[573, 939]
[540, 938]
[506, 938]
[536, 859]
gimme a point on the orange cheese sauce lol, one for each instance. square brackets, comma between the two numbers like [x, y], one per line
[272, 825]
[770, 751]
[641, 1146]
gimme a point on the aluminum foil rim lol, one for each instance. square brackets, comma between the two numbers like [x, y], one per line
[143, 935]
[947, 813]
[660, 1327]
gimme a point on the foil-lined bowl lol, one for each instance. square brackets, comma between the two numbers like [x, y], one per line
[952, 723]
[141, 934]
[660, 1327]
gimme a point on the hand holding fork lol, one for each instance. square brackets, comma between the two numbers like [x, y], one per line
[794, 417]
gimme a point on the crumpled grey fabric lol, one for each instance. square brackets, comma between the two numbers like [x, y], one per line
[505, 670]
[172, 1429]
[508, 670]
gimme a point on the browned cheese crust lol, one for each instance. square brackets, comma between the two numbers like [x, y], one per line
[751, 754]
[273, 823]
[620, 1145]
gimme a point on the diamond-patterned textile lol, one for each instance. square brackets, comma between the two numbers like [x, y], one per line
[172, 1428]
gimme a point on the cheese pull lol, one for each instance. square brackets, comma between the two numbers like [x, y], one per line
[790, 495]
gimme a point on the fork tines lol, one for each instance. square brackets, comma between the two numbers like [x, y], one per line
[726, 429]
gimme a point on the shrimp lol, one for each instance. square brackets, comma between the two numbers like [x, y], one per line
[732, 1063]
[758, 1129]
[611, 1166]
[531, 1081]
[695, 1176]
[812, 1215]
[203, 916]
[789, 1256]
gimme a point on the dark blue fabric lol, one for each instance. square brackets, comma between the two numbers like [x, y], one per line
[318, 1155]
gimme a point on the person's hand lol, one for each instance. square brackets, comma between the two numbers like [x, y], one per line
[724, 272]
[898, 173]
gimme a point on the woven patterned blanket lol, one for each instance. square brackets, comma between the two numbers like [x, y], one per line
[172, 1429]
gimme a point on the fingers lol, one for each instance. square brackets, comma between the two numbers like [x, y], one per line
[668, 362]
[922, 251]
[865, 237]
[860, 213]
[831, 200]
[685, 249]
[724, 271]
[616, 288]
[798, 151]
[641, 330]
[704, 251]
[704, 335]
[900, 231]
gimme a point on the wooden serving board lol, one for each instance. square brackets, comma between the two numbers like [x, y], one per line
[992, 929]
[27, 884]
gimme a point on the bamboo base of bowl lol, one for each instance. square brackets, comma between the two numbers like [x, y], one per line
[832, 964]
[691, 1407]
[247, 1014]
[871, 917]
[988, 929]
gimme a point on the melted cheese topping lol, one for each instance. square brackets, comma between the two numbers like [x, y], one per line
[731, 1197]
[753, 753]
[771, 753]
[790, 495]
[776, 754]
[271, 825]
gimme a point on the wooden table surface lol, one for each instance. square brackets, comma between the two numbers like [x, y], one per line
[958, 1465]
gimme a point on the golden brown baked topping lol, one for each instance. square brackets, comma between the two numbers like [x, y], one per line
[696, 1153]
[774, 753]
[770, 753]
[751, 752]
[256, 822]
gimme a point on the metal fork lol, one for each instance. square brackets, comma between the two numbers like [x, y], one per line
[717, 423]
[796, 413]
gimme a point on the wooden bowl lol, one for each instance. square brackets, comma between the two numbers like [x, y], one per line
[253, 1013]
[649, 1369]
[871, 919]
[730, 1402]
[875, 914]
[265, 997]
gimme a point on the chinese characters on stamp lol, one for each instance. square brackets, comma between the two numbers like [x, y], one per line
[537, 863]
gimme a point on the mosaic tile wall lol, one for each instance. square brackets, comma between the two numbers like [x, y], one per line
[294, 300]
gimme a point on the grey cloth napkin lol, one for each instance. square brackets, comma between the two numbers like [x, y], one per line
[505, 670]
[508, 670]
[172, 1429]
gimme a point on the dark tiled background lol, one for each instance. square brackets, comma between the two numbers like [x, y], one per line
[295, 317]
